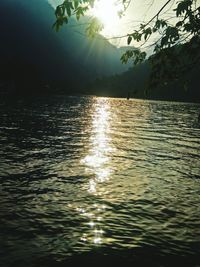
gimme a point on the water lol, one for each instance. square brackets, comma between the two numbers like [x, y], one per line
[97, 181]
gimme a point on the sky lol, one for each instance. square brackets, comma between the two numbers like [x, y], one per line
[93, 58]
[137, 12]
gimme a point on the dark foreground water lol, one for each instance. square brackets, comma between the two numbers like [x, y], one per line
[98, 181]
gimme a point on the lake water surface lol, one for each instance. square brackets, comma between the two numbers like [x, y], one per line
[97, 181]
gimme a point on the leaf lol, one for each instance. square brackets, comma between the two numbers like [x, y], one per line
[136, 36]
[76, 4]
[164, 41]
[183, 7]
[129, 40]
[59, 12]
[124, 58]
[179, 24]
[143, 56]
[68, 8]
[56, 26]
[158, 24]
[163, 23]
[147, 32]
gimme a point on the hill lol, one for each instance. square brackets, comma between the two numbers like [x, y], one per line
[33, 55]
[135, 81]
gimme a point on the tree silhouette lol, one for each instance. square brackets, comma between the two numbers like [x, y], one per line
[176, 49]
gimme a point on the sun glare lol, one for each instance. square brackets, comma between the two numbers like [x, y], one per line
[107, 11]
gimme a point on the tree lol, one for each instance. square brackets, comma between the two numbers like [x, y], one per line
[177, 45]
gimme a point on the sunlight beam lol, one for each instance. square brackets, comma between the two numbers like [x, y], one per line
[107, 11]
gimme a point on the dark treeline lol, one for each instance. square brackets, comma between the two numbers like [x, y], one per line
[135, 83]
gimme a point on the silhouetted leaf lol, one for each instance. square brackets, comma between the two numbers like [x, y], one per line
[129, 40]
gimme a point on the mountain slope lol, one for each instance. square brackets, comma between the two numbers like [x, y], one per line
[135, 83]
[31, 50]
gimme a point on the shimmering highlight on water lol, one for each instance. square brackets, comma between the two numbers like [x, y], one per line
[82, 174]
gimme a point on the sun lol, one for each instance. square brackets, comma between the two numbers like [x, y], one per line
[107, 11]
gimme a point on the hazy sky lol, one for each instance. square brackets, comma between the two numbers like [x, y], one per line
[138, 12]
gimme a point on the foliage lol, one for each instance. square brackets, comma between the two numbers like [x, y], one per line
[177, 46]
[76, 8]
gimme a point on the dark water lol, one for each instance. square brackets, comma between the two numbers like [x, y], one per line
[99, 181]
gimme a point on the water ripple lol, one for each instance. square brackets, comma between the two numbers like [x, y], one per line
[85, 174]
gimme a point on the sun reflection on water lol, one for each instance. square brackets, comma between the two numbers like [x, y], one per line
[97, 159]
[97, 164]
[94, 233]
